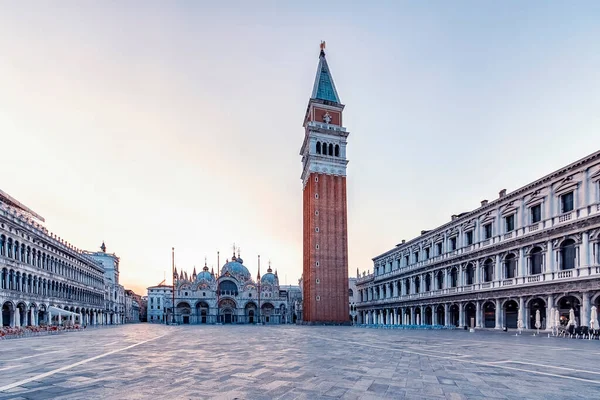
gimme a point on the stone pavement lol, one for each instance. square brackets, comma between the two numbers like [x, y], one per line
[296, 362]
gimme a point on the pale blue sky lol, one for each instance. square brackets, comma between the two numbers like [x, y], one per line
[158, 124]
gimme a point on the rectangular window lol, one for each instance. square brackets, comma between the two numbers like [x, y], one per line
[453, 244]
[487, 231]
[566, 201]
[427, 253]
[536, 213]
[406, 260]
[469, 238]
[416, 256]
[510, 223]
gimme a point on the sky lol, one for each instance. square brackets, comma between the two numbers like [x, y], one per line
[153, 125]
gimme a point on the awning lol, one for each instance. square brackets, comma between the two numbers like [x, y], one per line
[56, 310]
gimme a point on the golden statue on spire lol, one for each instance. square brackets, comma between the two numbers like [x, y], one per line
[323, 44]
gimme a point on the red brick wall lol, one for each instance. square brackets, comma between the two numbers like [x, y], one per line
[332, 254]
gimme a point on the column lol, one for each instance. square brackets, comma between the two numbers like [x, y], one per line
[498, 311]
[521, 267]
[549, 317]
[422, 321]
[446, 315]
[498, 272]
[394, 317]
[478, 314]
[395, 289]
[523, 313]
[550, 257]
[477, 271]
[584, 312]
[32, 317]
[434, 320]
[461, 315]
[584, 259]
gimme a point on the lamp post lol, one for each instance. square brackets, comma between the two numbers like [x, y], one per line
[173, 274]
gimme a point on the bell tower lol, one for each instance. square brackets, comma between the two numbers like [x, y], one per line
[325, 223]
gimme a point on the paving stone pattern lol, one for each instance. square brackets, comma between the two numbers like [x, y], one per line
[296, 362]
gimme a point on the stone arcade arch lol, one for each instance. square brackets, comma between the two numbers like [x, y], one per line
[565, 304]
[8, 310]
[454, 314]
[470, 315]
[511, 313]
[489, 314]
[537, 304]
[441, 315]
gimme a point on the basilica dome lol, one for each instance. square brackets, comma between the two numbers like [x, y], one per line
[205, 276]
[236, 269]
[270, 278]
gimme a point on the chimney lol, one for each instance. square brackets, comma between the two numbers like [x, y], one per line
[502, 193]
[484, 203]
[453, 217]
[403, 241]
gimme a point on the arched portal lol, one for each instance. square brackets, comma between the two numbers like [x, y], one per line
[250, 312]
[428, 315]
[470, 315]
[184, 311]
[511, 314]
[454, 315]
[441, 315]
[267, 313]
[418, 316]
[536, 305]
[489, 315]
[7, 311]
[227, 311]
[202, 312]
[565, 304]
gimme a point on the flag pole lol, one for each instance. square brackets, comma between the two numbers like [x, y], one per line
[173, 274]
[258, 311]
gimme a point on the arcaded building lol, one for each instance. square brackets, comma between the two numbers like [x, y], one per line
[533, 249]
[44, 279]
[325, 224]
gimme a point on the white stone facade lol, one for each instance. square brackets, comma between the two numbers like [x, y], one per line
[231, 297]
[114, 298]
[44, 280]
[531, 250]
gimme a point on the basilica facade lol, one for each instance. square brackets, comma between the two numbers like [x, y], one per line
[524, 253]
[230, 296]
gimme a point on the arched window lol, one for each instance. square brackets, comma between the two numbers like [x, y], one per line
[407, 286]
[454, 277]
[567, 254]
[228, 287]
[510, 266]
[350, 293]
[440, 280]
[337, 150]
[318, 147]
[427, 282]
[330, 149]
[470, 274]
[488, 270]
[417, 284]
[535, 261]
[2, 242]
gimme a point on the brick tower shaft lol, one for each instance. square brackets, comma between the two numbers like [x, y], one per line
[325, 223]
